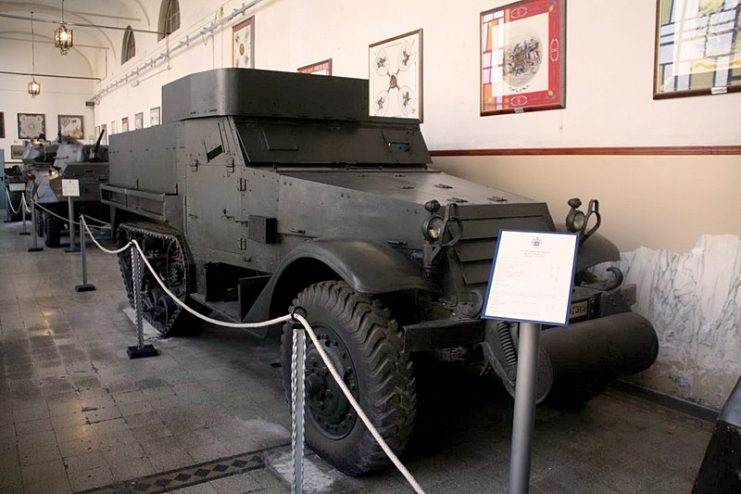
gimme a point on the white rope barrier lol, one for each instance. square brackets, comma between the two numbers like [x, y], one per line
[340, 382]
[10, 202]
[66, 220]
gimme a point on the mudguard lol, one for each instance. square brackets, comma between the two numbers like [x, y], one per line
[596, 250]
[367, 266]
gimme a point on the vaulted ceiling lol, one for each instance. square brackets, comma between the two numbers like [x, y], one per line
[107, 15]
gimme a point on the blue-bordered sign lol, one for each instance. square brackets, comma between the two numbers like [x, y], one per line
[532, 277]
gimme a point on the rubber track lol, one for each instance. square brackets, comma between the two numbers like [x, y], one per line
[151, 230]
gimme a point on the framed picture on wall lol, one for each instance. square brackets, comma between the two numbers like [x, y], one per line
[16, 151]
[395, 76]
[154, 116]
[125, 124]
[523, 57]
[31, 125]
[2, 125]
[138, 120]
[319, 68]
[697, 49]
[243, 44]
[71, 126]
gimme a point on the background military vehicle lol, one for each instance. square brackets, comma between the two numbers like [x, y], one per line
[13, 175]
[46, 164]
[265, 190]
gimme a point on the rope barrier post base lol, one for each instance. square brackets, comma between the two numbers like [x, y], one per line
[35, 247]
[524, 415]
[298, 378]
[23, 217]
[71, 209]
[140, 350]
[85, 286]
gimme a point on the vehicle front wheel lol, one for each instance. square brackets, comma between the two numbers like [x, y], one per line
[365, 345]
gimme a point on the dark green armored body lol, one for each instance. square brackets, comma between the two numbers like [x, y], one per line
[263, 190]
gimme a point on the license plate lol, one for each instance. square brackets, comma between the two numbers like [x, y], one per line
[579, 310]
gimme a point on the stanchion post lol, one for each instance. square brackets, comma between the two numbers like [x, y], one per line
[524, 414]
[23, 217]
[140, 350]
[298, 375]
[85, 286]
[71, 209]
[35, 247]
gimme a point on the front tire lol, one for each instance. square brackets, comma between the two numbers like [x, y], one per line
[365, 345]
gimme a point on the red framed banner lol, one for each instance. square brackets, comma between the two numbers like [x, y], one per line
[523, 57]
[319, 68]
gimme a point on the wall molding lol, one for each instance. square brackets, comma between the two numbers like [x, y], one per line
[593, 151]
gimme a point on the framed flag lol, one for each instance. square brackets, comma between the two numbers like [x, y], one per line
[243, 44]
[319, 68]
[395, 76]
[697, 48]
[523, 57]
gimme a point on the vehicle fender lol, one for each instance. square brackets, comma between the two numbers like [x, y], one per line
[367, 266]
[596, 250]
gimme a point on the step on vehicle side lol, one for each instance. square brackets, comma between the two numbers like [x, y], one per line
[46, 164]
[265, 190]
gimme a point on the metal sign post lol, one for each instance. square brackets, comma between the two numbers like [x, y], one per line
[298, 375]
[523, 423]
[23, 217]
[70, 189]
[85, 286]
[531, 283]
[35, 247]
[140, 350]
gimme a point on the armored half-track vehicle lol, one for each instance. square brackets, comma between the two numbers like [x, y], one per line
[46, 164]
[265, 190]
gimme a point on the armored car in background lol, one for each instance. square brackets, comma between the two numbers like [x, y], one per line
[46, 164]
[264, 191]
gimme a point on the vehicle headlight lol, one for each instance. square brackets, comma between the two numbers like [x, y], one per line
[432, 229]
[577, 221]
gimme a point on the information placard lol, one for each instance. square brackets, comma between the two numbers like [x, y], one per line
[531, 277]
[70, 187]
[16, 187]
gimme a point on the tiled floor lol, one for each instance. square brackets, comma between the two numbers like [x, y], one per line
[77, 414]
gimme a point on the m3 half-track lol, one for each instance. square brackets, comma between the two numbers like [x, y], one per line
[266, 190]
[46, 164]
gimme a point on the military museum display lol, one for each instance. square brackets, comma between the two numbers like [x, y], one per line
[262, 191]
[46, 164]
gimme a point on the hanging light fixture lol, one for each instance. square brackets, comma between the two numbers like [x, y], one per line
[63, 36]
[34, 88]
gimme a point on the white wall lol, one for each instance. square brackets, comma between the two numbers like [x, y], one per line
[608, 77]
[58, 96]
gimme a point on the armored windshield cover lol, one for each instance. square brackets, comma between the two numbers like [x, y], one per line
[251, 92]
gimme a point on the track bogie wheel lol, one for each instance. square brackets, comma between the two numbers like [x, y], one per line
[166, 253]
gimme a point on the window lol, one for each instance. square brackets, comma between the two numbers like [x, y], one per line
[128, 50]
[169, 18]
